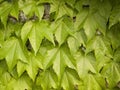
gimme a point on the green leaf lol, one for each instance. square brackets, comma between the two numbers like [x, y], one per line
[60, 8]
[78, 39]
[32, 7]
[63, 27]
[21, 67]
[15, 9]
[71, 3]
[101, 46]
[70, 80]
[35, 32]
[94, 22]
[90, 26]
[115, 16]
[80, 19]
[5, 79]
[85, 64]
[3, 67]
[5, 9]
[34, 63]
[12, 51]
[112, 73]
[102, 49]
[2, 36]
[59, 58]
[22, 83]
[47, 79]
[91, 83]
[117, 55]
[5, 76]
[26, 30]
[114, 35]
[92, 17]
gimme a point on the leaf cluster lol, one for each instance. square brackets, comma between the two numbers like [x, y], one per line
[59, 44]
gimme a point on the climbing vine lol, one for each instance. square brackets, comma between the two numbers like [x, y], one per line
[59, 44]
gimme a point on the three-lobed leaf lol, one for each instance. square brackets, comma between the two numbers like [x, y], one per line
[35, 32]
[9, 51]
[59, 58]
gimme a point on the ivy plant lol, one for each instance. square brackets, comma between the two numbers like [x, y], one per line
[59, 44]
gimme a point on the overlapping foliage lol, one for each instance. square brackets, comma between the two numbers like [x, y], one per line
[59, 44]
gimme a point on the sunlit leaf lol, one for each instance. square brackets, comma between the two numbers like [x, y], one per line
[34, 63]
[5, 9]
[63, 27]
[47, 80]
[91, 83]
[8, 9]
[35, 32]
[31, 7]
[100, 45]
[70, 80]
[59, 58]
[12, 51]
[78, 39]
[85, 64]
[22, 83]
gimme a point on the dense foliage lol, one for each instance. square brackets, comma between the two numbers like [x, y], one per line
[59, 44]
